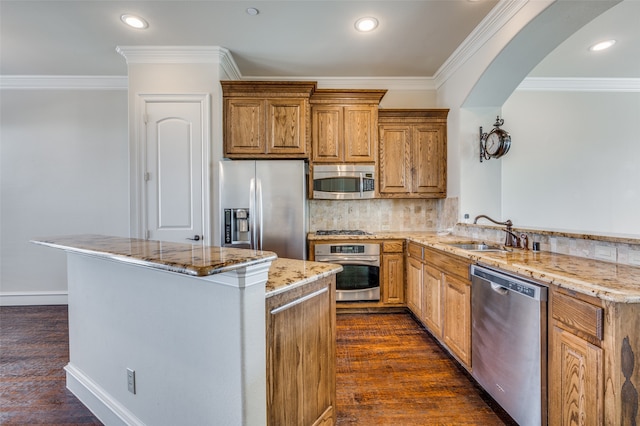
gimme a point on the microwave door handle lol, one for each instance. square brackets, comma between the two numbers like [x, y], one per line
[361, 185]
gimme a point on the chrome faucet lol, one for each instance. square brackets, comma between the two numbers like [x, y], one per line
[511, 239]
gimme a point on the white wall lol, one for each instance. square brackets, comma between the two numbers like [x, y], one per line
[64, 170]
[574, 162]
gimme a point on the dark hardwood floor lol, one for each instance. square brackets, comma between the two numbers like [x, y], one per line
[34, 348]
[390, 372]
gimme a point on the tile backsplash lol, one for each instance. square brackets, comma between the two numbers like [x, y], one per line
[416, 215]
[382, 215]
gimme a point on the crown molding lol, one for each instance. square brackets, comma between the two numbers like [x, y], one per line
[568, 84]
[499, 16]
[182, 55]
[52, 82]
[389, 83]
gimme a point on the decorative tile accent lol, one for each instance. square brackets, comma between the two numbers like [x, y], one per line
[380, 215]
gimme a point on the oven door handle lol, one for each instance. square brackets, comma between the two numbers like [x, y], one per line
[351, 261]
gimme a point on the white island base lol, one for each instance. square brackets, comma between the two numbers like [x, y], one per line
[195, 343]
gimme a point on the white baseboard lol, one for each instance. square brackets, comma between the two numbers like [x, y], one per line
[33, 298]
[102, 405]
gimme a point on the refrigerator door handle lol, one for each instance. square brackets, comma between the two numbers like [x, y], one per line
[259, 221]
[252, 212]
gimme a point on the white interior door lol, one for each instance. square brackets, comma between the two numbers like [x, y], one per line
[176, 171]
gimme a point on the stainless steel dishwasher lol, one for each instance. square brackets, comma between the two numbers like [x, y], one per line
[509, 342]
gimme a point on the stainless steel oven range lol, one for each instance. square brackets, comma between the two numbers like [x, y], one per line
[360, 278]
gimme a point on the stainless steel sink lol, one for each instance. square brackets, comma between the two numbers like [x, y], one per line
[473, 246]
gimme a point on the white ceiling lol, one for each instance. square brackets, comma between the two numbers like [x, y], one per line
[292, 38]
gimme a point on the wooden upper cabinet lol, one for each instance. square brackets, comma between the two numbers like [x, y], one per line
[413, 153]
[344, 124]
[265, 119]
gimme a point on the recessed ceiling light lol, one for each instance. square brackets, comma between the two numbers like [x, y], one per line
[252, 11]
[134, 21]
[366, 24]
[602, 45]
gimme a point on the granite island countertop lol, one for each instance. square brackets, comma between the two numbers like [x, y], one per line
[604, 280]
[286, 274]
[194, 259]
[190, 259]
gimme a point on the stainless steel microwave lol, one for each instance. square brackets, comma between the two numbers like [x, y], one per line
[344, 182]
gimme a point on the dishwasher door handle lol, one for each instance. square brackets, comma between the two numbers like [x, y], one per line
[499, 289]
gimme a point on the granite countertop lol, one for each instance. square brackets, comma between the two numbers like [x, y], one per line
[604, 280]
[286, 274]
[189, 259]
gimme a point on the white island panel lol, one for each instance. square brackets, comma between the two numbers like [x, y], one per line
[197, 344]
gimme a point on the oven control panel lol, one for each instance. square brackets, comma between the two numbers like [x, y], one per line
[348, 249]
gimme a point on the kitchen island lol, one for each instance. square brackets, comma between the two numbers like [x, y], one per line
[167, 333]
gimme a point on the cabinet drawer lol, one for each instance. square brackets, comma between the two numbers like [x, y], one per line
[392, 246]
[416, 251]
[449, 264]
[578, 315]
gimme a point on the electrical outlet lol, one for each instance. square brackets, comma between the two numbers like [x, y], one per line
[131, 380]
[634, 257]
[607, 253]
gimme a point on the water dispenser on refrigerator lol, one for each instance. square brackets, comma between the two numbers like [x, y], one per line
[237, 231]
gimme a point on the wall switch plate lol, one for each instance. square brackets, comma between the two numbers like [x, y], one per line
[608, 253]
[634, 257]
[131, 380]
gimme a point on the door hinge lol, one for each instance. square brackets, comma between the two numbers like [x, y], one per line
[146, 234]
[147, 176]
[145, 118]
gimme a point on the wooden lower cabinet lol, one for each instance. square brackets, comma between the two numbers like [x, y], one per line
[457, 321]
[439, 294]
[576, 393]
[301, 355]
[432, 299]
[392, 273]
[414, 284]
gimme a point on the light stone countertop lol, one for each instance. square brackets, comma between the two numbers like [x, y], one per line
[286, 274]
[604, 280]
[189, 259]
[194, 259]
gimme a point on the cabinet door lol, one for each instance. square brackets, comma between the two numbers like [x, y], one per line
[360, 133]
[286, 126]
[432, 299]
[429, 160]
[395, 163]
[414, 286]
[244, 125]
[393, 278]
[575, 375]
[301, 358]
[457, 321]
[327, 134]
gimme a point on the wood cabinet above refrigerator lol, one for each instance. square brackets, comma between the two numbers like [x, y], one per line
[267, 119]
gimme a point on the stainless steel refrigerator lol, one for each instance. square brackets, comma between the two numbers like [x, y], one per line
[264, 206]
